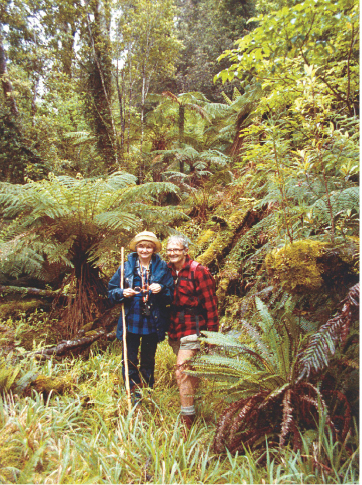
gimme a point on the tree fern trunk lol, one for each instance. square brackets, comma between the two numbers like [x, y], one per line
[85, 301]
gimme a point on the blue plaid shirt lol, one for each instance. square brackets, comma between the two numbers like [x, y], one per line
[136, 322]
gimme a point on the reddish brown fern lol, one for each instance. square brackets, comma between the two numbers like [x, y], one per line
[323, 343]
[249, 420]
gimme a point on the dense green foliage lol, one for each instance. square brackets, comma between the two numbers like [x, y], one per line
[145, 446]
[86, 435]
[221, 24]
[121, 116]
[71, 223]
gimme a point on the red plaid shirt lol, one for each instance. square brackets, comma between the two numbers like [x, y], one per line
[197, 291]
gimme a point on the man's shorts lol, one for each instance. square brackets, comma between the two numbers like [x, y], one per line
[190, 342]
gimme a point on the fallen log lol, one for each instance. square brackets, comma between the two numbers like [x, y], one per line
[68, 345]
[103, 326]
[108, 320]
[29, 291]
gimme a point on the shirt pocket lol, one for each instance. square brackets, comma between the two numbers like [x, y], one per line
[186, 290]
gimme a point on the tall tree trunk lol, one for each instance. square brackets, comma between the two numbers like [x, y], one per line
[12, 167]
[181, 130]
[120, 92]
[129, 104]
[143, 100]
[5, 81]
[33, 101]
[67, 50]
[100, 83]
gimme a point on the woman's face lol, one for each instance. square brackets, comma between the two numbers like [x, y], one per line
[145, 250]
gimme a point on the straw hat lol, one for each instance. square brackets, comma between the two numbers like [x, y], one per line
[145, 236]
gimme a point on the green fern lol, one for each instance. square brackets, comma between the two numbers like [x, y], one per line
[8, 376]
[341, 201]
[266, 362]
[226, 98]
[69, 225]
[267, 375]
[200, 164]
[80, 137]
[236, 93]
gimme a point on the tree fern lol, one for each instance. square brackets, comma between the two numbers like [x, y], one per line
[79, 137]
[200, 164]
[74, 223]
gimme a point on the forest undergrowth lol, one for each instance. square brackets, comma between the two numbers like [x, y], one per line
[86, 435]
[244, 137]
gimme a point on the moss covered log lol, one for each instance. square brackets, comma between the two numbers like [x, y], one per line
[28, 291]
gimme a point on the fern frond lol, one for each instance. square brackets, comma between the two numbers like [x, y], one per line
[8, 376]
[116, 220]
[199, 110]
[79, 137]
[277, 341]
[222, 340]
[236, 93]
[267, 320]
[239, 364]
[215, 156]
[21, 260]
[226, 98]
[257, 339]
[308, 326]
[170, 95]
[58, 217]
[120, 180]
[323, 343]
[218, 110]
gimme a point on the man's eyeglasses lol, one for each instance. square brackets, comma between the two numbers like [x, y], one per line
[177, 251]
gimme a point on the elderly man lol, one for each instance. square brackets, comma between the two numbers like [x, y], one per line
[194, 308]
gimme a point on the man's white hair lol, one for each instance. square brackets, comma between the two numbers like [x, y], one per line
[179, 239]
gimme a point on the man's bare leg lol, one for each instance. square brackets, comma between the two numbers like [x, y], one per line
[187, 385]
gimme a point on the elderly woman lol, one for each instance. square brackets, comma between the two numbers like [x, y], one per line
[147, 294]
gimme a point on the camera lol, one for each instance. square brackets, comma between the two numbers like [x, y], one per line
[146, 309]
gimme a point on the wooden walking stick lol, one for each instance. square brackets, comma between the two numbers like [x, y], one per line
[125, 353]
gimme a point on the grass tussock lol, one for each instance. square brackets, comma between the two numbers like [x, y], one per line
[87, 436]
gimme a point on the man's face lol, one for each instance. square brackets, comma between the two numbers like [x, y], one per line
[176, 253]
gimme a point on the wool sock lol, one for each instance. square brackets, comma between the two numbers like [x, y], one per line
[187, 410]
